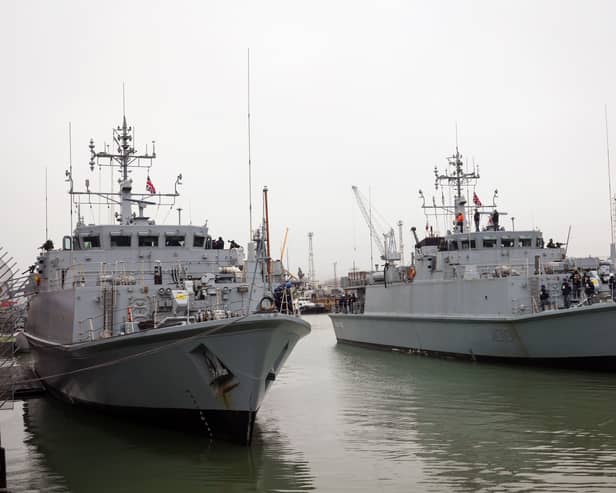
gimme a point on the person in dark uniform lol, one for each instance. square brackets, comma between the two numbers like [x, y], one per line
[341, 303]
[352, 299]
[477, 217]
[589, 290]
[495, 220]
[551, 244]
[565, 289]
[576, 280]
[544, 297]
[48, 245]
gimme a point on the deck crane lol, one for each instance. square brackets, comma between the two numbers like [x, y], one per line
[387, 247]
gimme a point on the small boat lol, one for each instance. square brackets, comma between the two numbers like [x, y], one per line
[307, 306]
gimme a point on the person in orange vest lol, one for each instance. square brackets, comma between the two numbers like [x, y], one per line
[460, 221]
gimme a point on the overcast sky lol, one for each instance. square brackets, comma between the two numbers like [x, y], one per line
[342, 93]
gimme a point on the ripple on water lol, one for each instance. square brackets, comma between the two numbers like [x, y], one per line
[340, 418]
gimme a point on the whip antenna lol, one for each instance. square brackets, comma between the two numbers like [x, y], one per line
[46, 215]
[70, 168]
[249, 156]
[609, 183]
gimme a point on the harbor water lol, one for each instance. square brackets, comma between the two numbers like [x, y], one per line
[342, 418]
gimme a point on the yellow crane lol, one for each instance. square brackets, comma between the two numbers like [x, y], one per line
[284, 244]
[282, 251]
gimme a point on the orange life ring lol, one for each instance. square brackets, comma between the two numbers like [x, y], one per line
[412, 273]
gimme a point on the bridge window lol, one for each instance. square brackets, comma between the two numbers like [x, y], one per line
[174, 240]
[465, 244]
[489, 243]
[148, 241]
[525, 242]
[91, 241]
[198, 241]
[508, 242]
[120, 240]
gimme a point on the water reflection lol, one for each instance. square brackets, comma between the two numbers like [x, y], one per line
[472, 426]
[86, 452]
[348, 419]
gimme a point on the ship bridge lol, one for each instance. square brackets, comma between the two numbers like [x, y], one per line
[492, 239]
[142, 236]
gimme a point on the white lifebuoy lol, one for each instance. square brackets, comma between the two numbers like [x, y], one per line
[266, 304]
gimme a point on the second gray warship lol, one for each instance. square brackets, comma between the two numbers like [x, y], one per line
[162, 322]
[482, 293]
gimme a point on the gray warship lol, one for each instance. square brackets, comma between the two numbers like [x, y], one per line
[159, 322]
[476, 292]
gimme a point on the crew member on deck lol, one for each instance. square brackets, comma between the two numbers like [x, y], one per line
[460, 221]
[477, 217]
[566, 291]
[551, 244]
[576, 280]
[544, 297]
[495, 220]
[589, 290]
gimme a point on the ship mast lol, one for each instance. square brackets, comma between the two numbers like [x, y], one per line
[124, 158]
[456, 178]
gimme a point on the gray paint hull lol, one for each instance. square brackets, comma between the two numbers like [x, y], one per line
[548, 337]
[210, 369]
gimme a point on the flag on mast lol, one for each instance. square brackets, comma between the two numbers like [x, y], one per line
[476, 200]
[149, 186]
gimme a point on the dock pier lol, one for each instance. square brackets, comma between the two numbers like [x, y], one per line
[17, 377]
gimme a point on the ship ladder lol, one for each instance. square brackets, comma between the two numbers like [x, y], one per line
[286, 304]
[534, 293]
[108, 307]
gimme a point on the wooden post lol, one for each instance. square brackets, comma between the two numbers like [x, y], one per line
[2, 468]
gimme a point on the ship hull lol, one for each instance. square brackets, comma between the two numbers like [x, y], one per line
[582, 337]
[210, 376]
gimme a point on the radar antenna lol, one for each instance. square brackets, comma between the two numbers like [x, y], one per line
[125, 159]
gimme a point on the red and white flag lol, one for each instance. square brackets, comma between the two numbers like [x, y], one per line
[149, 186]
[476, 200]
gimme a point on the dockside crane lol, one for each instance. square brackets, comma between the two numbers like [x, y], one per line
[311, 274]
[387, 247]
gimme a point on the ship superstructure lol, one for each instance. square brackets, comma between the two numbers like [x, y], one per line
[159, 321]
[481, 291]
